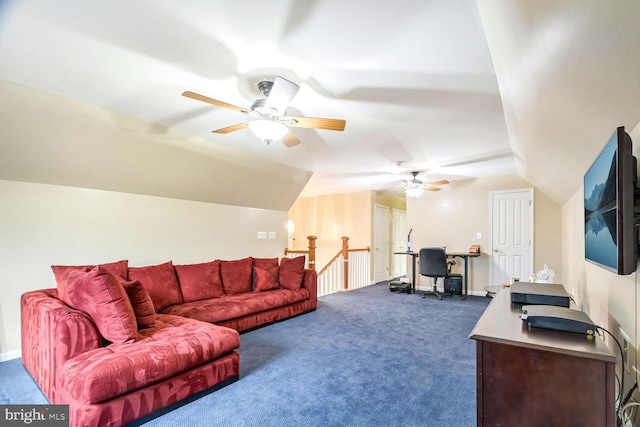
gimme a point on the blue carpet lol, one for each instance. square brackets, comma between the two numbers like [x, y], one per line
[368, 357]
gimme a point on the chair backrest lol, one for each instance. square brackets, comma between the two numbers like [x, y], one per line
[433, 262]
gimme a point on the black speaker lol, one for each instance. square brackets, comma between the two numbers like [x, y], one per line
[453, 285]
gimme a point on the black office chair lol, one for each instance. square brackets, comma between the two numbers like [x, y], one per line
[434, 264]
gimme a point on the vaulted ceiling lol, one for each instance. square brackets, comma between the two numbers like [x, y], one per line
[455, 90]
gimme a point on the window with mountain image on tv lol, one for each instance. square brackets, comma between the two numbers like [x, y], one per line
[609, 190]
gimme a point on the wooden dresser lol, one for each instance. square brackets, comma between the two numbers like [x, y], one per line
[537, 377]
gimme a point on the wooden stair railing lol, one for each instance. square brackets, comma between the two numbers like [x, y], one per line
[331, 276]
[310, 253]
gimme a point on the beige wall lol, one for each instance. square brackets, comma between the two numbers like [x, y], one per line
[41, 225]
[455, 215]
[330, 218]
[608, 299]
[383, 199]
[51, 139]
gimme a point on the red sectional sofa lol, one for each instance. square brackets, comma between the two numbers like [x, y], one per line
[122, 344]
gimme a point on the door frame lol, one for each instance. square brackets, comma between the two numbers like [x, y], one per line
[531, 227]
[398, 243]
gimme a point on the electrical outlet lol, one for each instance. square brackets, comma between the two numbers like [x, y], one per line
[626, 347]
[600, 325]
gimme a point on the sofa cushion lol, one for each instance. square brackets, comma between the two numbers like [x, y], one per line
[99, 294]
[141, 302]
[235, 306]
[172, 346]
[118, 269]
[199, 281]
[236, 276]
[265, 263]
[160, 282]
[290, 272]
[265, 280]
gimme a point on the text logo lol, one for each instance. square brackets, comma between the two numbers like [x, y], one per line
[34, 415]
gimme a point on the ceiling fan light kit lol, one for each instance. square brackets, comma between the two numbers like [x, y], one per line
[268, 130]
[414, 191]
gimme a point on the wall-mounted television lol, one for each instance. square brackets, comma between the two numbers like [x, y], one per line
[609, 195]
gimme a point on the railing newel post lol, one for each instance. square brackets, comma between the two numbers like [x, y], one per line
[312, 252]
[345, 255]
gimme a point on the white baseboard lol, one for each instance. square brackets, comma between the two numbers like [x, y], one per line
[9, 355]
[470, 293]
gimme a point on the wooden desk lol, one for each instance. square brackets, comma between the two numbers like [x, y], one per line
[465, 256]
[536, 377]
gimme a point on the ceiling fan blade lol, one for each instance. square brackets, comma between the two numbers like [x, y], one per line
[290, 140]
[442, 182]
[281, 94]
[429, 188]
[317, 123]
[212, 101]
[233, 128]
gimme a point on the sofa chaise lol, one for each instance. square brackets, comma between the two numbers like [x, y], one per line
[123, 344]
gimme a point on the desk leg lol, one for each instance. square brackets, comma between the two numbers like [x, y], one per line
[412, 288]
[466, 278]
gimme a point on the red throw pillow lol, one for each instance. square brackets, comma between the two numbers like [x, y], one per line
[141, 303]
[236, 276]
[199, 281]
[160, 282]
[118, 269]
[265, 280]
[290, 272]
[265, 263]
[99, 294]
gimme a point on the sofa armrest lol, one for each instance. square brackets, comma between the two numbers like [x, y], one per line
[52, 333]
[310, 282]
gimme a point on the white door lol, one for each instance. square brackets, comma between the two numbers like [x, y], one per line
[511, 235]
[381, 243]
[399, 230]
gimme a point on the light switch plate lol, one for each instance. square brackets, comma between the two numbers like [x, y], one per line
[272, 234]
[262, 234]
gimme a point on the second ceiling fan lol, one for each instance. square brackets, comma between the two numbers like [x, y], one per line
[270, 113]
[415, 187]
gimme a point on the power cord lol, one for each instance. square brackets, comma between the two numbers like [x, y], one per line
[621, 379]
[625, 418]
[629, 409]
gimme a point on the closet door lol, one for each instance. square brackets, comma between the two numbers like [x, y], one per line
[381, 243]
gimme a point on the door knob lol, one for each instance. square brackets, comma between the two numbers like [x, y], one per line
[496, 250]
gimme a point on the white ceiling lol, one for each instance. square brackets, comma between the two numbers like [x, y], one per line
[455, 89]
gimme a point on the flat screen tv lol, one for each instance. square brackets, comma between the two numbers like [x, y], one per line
[609, 195]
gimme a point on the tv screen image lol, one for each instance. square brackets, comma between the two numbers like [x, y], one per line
[609, 191]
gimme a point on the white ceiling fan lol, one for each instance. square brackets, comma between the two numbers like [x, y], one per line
[416, 187]
[270, 113]
[413, 187]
